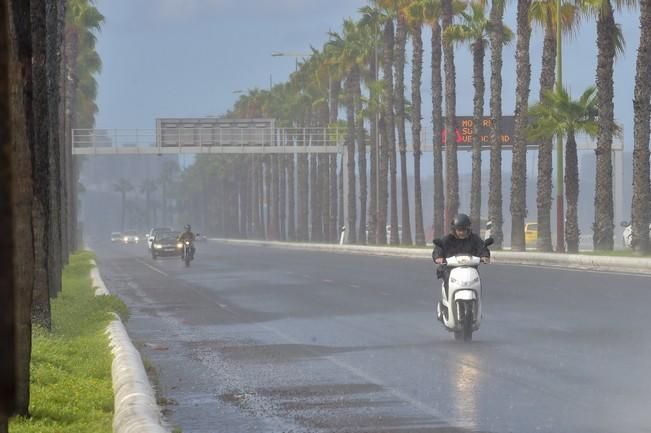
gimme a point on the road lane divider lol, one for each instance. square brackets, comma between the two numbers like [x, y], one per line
[135, 406]
[632, 265]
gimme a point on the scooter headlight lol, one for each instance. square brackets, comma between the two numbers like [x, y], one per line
[476, 280]
[453, 280]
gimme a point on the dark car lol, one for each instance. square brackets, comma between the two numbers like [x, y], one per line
[165, 244]
[152, 234]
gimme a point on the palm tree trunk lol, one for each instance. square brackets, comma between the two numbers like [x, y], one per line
[324, 184]
[388, 156]
[44, 260]
[334, 203]
[268, 199]
[54, 44]
[495, 183]
[22, 142]
[478, 52]
[361, 161]
[282, 179]
[7, 249]
[641, 209]
[572, 195]
[350, 149]
[451, 169]
[303, 197]
[603, 225]
[519, 164]
[401, 42]
[291, 199]
[416, 75]
[275, 167]
[437, 128]
[544, 181]
[315, 200]
[373, 144]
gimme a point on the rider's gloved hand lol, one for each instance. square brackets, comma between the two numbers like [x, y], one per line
[439, 261]
[485, 259]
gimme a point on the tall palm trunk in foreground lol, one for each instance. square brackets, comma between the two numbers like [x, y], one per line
[519, 165]
[641, 209]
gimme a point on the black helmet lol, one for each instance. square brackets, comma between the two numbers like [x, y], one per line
[461, 221]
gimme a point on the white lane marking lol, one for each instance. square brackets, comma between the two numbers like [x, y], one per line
[354, 286]
[328, 281]
[153, 268]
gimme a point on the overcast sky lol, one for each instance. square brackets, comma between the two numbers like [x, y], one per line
[186, 57]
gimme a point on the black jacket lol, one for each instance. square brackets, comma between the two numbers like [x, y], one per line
[472, 245]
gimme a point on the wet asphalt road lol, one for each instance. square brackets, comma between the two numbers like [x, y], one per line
[268, 340]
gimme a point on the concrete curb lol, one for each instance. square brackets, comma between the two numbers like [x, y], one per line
[135, 407]
[98, 284]
[572, 261]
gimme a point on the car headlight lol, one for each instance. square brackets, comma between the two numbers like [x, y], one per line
[137, 238]
[126, 239]
[158, 246]
[179, 245]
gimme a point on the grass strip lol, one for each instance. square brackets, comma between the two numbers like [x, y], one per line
[71, 387]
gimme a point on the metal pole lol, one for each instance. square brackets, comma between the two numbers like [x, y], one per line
[560, 212]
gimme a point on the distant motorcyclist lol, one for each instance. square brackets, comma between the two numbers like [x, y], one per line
[460, 241]
[187, 235]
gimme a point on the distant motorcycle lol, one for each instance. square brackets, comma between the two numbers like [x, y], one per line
[460, 311]
[188, 254]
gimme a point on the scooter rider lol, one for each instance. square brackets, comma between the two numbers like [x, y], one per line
[460, 241]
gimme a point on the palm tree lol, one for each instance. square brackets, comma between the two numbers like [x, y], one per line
[543, 13]
[495, 183]
[399, 92]
[609, 43]
[519, 164]
[20, 103]
[432, 13]
[147, 187]
[371, 21]
[47, 256]
[640, 212]
[558, 114]
[83, 20]
[474, 29]
[123, 186]
[452, 169]
[388, 157]
[8, 326]
[415, 16]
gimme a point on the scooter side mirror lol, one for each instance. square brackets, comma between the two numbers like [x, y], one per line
[488, 242]
[438, 243]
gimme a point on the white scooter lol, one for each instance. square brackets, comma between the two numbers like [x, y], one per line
[460, 311]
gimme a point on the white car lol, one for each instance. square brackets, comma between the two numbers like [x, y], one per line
[627, 235]
[130, 237]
